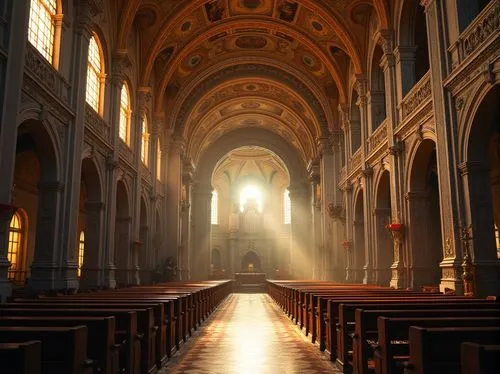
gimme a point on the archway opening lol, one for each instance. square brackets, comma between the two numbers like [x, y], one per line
[425, 218]
[482, 182]
[90, 224]
[35, 186]
[384, 246]
[358, 256]
[250, 183]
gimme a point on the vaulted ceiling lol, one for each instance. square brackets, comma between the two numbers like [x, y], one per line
[217, 65]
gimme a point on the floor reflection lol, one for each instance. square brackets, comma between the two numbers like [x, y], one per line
[249, 334]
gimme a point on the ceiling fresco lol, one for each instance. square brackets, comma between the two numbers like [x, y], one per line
[218, 65]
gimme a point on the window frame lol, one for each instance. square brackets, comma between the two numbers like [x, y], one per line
[15, 271]
[214, 208]
[55, 30]
[81, 252]
[125, 115]
[145, 140]
[100, 76]
[287, 207]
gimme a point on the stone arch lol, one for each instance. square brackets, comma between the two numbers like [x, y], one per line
[90, 221]
[358, 247]
[37, 190]
[412, 43]
[383, 243]
[123, 245]
[481, 182]
[424, 216]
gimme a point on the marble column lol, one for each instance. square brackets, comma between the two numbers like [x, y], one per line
[45, 262]
[445, 117]
[187, 180]
[174, 196]
[362, 103]
[369, 226]
[349, 233]
[328, 187]
[13, 81]
[318, 248]
[70, 206]
[115, 86]
[301, 264]
[200, 258]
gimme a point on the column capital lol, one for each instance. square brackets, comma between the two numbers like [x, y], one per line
[313, 171]
[144, 95]
[361, 86]
[385, 39]
[426, 3]
[119, 63]
[324, 145]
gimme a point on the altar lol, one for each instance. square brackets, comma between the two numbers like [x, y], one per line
[250, 278]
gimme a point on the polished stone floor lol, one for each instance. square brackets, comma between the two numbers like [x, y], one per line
[249, 334]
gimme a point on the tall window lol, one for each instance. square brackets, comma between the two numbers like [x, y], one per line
[125, 114]
[145, 141]
[287, 208]
[497, 240]
[214, 209]
[16, 238]
[41, 27]
[81, 251]
[158, 160]
[95, 71]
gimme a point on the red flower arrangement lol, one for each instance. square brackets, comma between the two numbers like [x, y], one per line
[394, 226]
[346, 244]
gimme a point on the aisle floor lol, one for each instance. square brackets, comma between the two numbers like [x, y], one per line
[249, 334]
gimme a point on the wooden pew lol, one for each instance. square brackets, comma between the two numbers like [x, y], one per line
[64, 349]
[21, 358]
[437, 350]
[145, 325]
[155, 337]
[126, 326]
[393, 326]
[346, 315]
[480, 358]
[101, 347]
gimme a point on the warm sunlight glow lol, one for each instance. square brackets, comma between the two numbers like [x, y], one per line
[287, 208]
[214, 210]
[81, 252]
[41, 27]
[94, 73]
[251, 193]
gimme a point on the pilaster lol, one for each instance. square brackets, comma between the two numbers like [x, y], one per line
[8, 135]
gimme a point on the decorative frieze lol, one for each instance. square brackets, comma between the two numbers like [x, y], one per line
[421, 93]
[44, 73]
[485, 26]
[356, 160]
[93, 120]
[379, 136]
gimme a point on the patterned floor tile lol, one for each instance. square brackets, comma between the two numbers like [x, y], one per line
[249, 334]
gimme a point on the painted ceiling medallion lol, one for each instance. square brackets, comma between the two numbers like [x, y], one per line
[250, 4]
[186, 26]
[316, 25]
[309, 61]
[250, 87]
[251, 42]
[250, 105]
[287, 10]
[194, 61]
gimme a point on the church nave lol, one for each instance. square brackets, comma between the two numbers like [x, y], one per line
[249, 334]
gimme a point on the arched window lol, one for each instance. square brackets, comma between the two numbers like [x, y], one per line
[158, 160]
[497, 240]
[287, 208]
[95, 74]
[81, 251]
[17, 231]
[144, 141]
[125, 114]
[214, 208]
[41, 28]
